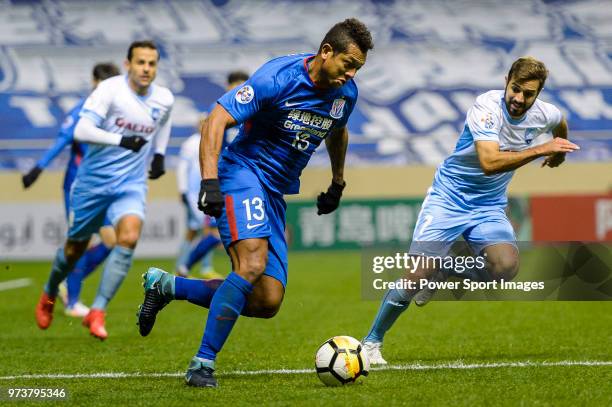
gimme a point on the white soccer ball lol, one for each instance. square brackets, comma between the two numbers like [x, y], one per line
[341, 360]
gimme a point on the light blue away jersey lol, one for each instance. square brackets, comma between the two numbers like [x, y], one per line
[285, 117]
[115, 107]
[460, 176]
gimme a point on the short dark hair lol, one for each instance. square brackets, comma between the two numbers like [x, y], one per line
[237, 76]
[349, 31]
[141, 44]
[528, 69]
[104, 70]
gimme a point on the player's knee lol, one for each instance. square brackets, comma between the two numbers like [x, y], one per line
[253, 268]
[505, 268]
[266, 308]
[128, 238]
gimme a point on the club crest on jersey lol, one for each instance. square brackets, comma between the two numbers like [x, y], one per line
[530, 134]
[488, 121]
[245, 94]
[337, 109]
[155, 113]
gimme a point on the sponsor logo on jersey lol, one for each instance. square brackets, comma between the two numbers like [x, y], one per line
[245, 94]
[135, 127]
[337, 109]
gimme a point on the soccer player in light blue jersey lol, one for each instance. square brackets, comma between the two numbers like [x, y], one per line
[188, 176]
[504, 130]
[288, 107]
[118, 119]
[96, 254]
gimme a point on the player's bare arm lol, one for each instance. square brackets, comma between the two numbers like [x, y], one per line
[493, 161]
[557, 159]
[336, 146]
[212, 139]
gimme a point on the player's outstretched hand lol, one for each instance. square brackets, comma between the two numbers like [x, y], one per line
[210, 200]
[559, 145]
[133, 143]
[31, 177]
[157, 167]
[327, 202]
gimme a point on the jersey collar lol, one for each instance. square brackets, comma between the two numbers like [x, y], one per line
[309, 78]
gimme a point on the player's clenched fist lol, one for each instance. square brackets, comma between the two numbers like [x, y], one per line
[210, 200]
[327, 202]
[134, 143]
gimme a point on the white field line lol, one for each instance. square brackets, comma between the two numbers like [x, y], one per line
[417, 366]
[11, 284]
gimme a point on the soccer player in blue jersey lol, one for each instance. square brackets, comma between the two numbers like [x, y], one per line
[96, 254]
[188, 180]
[504, 130]
[288, 107]
[118, 119]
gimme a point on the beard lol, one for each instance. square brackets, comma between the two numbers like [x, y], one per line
[514, 108]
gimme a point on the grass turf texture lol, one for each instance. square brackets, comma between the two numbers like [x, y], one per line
[322, 300]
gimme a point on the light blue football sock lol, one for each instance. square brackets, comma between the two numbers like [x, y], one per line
[59, 271]
[116, 268]
[225, 308]
[394, 303]
[207, 261]
[183, 254]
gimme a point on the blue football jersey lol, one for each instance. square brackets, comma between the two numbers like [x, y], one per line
[284, 118]
[66, 137]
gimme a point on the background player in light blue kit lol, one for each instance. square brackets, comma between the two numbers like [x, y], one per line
[287, 108]
[188, 180]
[119, 119]
[96, 254]
[503, 131]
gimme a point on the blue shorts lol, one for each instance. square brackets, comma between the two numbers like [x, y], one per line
[89, 210]
[441, 222]
[252, 211]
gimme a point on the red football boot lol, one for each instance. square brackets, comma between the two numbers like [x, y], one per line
[95, 322]
[44, 311]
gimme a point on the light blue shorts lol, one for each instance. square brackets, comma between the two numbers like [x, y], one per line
[88, 210]
[442, 221]
[196, 219]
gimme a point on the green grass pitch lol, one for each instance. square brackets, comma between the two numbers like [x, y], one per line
[323, 299]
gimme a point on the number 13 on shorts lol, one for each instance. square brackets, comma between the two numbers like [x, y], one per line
[254, 208]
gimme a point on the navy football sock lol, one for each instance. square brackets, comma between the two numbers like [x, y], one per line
[205, 245]
[84, 267]
[225, 308]
[198, 292]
